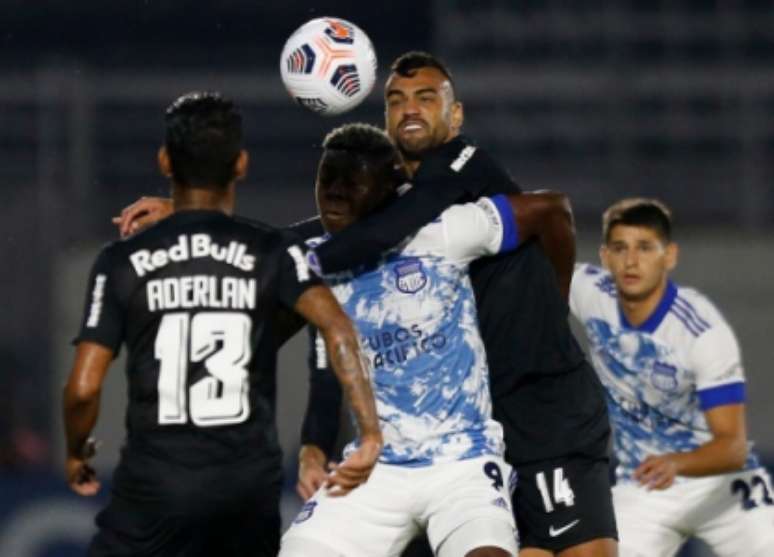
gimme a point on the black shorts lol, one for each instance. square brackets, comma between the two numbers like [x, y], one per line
[128, 530]
[564, 502]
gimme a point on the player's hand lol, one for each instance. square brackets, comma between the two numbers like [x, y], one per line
[657, 472]
[142, 213]
[81, 477]
[355, 470]
[311, 471]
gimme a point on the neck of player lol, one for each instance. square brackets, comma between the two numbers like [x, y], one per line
[638, 309]
[186, 198]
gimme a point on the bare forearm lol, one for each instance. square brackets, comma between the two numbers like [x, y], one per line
[721, 455]
[80, 417]
[349, 368]
[557, 240]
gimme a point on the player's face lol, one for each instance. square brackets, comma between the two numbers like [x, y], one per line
[639, 261]
[420, 111]
[343, 197]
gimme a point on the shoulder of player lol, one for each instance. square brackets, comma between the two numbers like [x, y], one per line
[593, 278]
[695, 311]
[463, 156]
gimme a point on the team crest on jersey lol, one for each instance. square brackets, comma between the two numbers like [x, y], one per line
[410, 276]
[664, 377]
[306, 512]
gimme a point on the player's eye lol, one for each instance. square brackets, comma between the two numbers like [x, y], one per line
[618, 249]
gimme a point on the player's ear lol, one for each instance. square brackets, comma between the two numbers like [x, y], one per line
[165, 165]
[672, 255]
[603, 254]
[241, 164]
[457, 117]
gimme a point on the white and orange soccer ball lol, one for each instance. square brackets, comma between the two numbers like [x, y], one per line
[328, 65]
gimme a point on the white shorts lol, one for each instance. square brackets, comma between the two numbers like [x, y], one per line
[732, 513]
[381, 517]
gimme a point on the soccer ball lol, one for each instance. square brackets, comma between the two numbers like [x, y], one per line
[328, 65]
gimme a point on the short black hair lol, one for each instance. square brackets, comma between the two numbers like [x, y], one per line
[203, 139]
[369, 148]
[408, 63]
[639, 211]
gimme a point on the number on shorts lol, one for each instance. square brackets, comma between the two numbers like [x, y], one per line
[562, 491]
[493, 472]
[222, 342]
[748, 499]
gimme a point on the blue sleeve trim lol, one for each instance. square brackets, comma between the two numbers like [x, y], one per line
[733, 393]
[510, 228]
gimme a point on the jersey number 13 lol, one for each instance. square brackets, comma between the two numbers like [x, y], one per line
[222, 341]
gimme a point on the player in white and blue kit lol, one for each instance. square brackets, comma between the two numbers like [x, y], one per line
[442, 468]
[672, 370]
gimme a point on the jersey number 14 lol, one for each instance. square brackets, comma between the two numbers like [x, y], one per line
[562, 491]
[220, 340]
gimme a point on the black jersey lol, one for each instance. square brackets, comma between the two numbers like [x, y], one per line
[544, 392]
[195, 299]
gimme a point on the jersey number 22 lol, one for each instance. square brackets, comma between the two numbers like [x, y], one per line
[222, 341]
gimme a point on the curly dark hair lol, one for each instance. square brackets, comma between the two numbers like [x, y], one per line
[203, 139]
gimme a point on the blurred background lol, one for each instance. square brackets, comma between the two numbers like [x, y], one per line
[600, 99]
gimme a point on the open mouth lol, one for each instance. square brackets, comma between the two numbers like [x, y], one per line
[412, 127]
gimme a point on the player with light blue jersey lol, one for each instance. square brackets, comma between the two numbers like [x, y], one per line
[672, 369]
[442, 468]
[416, 315]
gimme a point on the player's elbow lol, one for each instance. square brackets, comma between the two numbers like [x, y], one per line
[341, 342]
[339, 330]
[738, 453]
[561, 207]
[735, 453]
[78, 393]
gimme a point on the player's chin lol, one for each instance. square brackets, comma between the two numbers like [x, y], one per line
[414, 146]
[334, 221]
[633, 291]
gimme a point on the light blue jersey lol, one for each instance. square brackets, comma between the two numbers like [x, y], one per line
[416, 315]
[662, 376]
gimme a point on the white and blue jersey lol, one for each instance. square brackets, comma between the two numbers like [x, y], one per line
[416, 315]
[661, 376]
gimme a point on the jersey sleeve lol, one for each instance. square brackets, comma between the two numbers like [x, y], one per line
[454, 172]
[716, 360]
[295, 275]
[364, 241]
[321, 420]
[486, 227]
[103, 315]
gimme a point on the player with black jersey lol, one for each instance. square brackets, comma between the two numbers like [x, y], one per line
[544, 392]
[195, 299]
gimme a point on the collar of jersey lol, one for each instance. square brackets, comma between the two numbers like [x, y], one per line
[655, 319]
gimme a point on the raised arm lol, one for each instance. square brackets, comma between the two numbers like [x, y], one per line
[321, 309]
[547, 217]
[453, 173]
